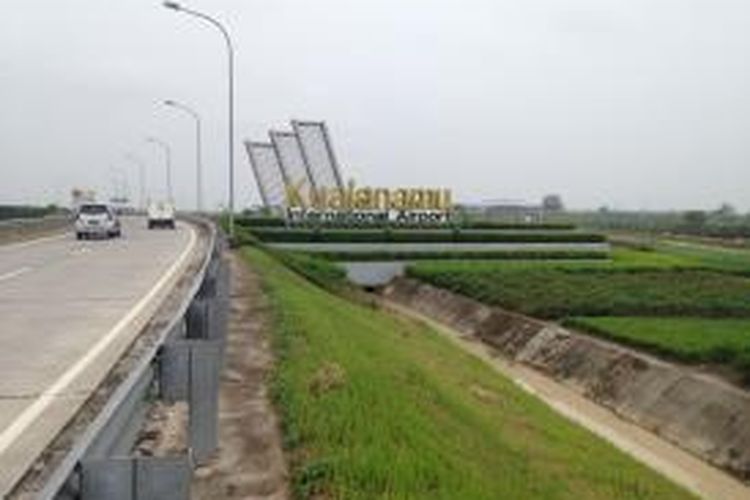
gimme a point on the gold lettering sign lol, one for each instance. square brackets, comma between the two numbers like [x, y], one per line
[366, 198]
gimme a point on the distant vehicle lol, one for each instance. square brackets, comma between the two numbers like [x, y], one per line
[97, 219]
[161, 214]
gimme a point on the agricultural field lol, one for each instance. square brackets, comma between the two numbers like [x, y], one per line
[375, 406]
[555, 293]
[666, 256]
[696, 340]
[732, 260]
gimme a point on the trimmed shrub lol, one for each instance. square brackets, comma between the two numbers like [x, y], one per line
[267, 222]
[464, 255]
[270, 235]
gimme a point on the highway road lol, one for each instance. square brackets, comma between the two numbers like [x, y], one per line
[68, 311]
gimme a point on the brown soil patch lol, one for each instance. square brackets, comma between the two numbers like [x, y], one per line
[250, 462]
[485, 395]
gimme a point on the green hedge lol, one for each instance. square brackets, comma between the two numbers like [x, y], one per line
[260, 221]
[320, 271]
[269, 222]
[418, 236]
[520, 226]
[462, 255]
[24, 211]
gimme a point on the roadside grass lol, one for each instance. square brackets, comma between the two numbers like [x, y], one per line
[376, 406]
[694, 340]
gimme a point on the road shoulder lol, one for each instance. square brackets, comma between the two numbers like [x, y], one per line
[250, 462]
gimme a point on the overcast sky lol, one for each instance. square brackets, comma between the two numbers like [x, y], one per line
[629, 103]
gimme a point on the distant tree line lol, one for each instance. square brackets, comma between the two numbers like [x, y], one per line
[724, 222]
[26, 211]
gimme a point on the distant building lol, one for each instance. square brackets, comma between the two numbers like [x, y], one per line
[81, 195]
[506, 210]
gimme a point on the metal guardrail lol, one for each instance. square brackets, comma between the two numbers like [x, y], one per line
[183, 364]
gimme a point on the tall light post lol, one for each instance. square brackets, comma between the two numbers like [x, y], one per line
[198, 164]
[168, 164]
[141, 178]
[230, 51]
[119, 185]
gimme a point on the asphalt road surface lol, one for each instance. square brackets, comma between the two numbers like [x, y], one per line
[68, 311]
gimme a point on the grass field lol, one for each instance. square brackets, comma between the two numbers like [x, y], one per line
[736, 260]
[375, 406]
[687, 339]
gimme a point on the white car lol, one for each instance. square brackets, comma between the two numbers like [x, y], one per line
[97, 219]
[161, 214]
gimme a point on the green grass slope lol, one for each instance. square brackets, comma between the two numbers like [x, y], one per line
[375, 406]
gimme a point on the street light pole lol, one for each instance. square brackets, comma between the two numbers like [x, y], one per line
[230, 52]
[198, 162]
[168, 157]
[141, 178]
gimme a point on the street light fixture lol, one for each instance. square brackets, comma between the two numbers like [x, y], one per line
[168, 163]
[141, 178]
[230, 51]
[198, 166]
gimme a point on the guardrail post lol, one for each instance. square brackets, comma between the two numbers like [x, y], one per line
[190, 371]
[107, 478]
[205, 371]
[197, 319]
[163, 478]
[174, 371]
[221, 302]
[136, 478]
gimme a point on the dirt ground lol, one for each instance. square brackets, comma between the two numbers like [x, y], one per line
[250, 462]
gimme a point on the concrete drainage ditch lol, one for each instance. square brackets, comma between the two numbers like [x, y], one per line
[704, 415]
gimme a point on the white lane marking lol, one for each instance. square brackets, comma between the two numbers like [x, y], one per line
[46, 398]
[23, 244]
[13, 274]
